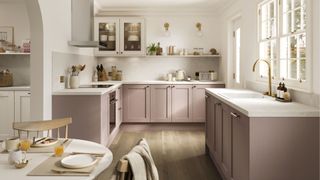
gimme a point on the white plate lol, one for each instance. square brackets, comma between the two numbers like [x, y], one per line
[78, 161]
[40, 144]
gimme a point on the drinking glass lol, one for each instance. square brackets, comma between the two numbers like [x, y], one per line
[58, 150]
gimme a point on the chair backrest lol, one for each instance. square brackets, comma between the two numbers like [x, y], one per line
[41, 126]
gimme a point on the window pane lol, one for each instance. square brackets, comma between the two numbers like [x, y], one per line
[272, 28]
[264, 30]
[274, 67]
[271, 10]
[304, 18]
[302, 68]
[107, 36]
[287, 5]
[263, 69]
[286, 24]
[283, 69]
[292, 69]
[264, 13]
[297, 19]
[293, 47]
[297, 3]
[302, 46]
[284, 48]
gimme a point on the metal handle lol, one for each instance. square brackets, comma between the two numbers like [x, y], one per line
[218, 104]
[194, 86]
[147, 87]
[113, 102]
[168, 87]
[235, 115]
[121, 52]
[173, 86]
[29, 93]
[117, 52]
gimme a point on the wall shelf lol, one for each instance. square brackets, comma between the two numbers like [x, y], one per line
[15, 53]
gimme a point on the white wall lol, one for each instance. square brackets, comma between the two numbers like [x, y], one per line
[183, 34]
[18, 65]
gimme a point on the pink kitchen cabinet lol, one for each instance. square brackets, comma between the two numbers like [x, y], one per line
[182, 103]
[161, 103]
[136, 103]
[199, 102]
[263, 148]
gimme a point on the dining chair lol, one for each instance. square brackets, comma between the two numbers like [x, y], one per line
[42, 126]
[123, 169]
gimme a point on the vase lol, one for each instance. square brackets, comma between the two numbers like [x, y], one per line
[74, 82]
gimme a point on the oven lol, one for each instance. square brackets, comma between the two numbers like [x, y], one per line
[112, 111]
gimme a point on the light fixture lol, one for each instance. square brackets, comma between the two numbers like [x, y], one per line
[199, 29]
[166, 29]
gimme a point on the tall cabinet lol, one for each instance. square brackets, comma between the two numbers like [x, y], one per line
[120, 36]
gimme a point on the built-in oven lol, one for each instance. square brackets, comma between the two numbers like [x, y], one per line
[112, 111]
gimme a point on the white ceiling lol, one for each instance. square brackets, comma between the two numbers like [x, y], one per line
[162, 4]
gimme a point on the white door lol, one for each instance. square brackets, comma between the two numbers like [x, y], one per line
[22, 106]
[6, 113]
[236, 49]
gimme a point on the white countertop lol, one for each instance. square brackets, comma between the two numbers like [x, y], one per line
[15, 88]
[263, 107]
[101, 91]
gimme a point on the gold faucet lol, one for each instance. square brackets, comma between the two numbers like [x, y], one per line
[269, 93]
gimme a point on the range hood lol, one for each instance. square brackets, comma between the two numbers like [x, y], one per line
[82, 19]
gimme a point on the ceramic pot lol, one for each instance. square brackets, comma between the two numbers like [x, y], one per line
[74, 82]
[16, 156]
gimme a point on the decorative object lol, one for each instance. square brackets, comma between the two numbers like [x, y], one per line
[102, 74]
[166, 29]
[213, 51]
[26, 46]
[74, 79]
[7, 37]
[152, 49]
[6, 78]
[199, 29]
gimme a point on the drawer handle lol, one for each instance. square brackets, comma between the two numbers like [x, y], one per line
[147, 87]
[173, 86]
[218, 104]
[235, 115]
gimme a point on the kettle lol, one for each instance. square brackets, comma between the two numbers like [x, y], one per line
[180, 75]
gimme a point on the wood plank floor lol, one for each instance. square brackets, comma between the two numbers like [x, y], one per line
[179, 153]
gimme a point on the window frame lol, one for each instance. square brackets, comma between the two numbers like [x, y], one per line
[296, 84]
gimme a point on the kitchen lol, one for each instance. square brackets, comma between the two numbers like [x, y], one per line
[171, 86]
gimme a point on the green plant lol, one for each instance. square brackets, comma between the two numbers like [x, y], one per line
[152, 48]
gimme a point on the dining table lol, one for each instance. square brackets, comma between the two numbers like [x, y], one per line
[9, 172]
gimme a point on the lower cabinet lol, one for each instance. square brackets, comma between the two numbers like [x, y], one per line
[136, 101]
[14, 107]
[265, 148]
[165, 103]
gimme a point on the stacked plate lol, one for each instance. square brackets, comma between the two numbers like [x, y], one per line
[78, 161]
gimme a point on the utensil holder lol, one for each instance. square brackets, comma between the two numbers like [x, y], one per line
[6, 79]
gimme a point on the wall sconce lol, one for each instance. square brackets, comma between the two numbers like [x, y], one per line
[199, 29]
[166, 29]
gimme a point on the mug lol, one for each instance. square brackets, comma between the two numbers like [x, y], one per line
[11, 144]
[17, 156]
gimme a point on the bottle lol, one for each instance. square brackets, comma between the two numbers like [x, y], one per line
[95, 76]
[278, 90]
[281, 91]
[114, 73]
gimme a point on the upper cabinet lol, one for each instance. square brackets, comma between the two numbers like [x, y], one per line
[120, 36]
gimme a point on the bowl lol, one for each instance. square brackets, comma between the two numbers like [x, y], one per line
[21, 165]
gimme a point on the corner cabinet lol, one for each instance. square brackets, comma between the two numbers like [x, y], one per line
[123, 36]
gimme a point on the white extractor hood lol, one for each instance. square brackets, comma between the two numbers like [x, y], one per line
[82, 17]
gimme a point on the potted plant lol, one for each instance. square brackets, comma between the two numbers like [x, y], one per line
[74, 79]
[152, 49]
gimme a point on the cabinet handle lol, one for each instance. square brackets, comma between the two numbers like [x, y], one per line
[173, 86]
[218, 104]
[194, 86]
[168, 87]
[235, 115]
[29, 93]
[117, 52]
[147, 87]
[121, 52]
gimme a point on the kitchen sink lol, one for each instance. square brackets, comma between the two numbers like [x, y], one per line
[250, 95]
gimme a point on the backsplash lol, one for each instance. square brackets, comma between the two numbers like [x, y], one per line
[297, 96]
[156, 68]
[62, 61]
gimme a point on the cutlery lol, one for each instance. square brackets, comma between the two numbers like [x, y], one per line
[93, 154]
[39, 140]
[68, 171]
[66, 140]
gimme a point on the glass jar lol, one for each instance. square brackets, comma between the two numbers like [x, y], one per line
[114, 73]
[119, 76]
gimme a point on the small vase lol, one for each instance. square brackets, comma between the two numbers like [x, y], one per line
[74, 82]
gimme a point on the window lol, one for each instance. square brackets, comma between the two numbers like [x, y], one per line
[283, 41]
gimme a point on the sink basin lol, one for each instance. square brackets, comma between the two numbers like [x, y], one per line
[242, 95]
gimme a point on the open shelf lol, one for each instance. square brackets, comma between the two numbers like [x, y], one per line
[15, 53]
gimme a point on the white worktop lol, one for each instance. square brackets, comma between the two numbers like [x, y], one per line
[101, 91]
[263, 107]
[15, 88]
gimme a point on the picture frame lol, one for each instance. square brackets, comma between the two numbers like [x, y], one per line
[7, 34]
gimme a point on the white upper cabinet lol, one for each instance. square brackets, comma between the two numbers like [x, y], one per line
[120, 36]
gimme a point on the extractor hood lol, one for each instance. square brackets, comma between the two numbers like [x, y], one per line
[82, 19]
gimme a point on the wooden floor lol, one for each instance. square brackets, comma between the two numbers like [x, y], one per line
[178, 152]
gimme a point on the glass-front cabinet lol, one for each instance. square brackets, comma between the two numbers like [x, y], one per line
[120, 36]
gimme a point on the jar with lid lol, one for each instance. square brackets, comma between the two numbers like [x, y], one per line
[114, 73]
[119, 76]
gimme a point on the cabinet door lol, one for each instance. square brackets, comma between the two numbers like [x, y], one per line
[22, 106]
[132, 36]
[182, 103]
[210, 123]
[227, 142]
[240, 146]
[107, 34]
[160, 103]
[119, 106]
[218, 117]
[136, 103]
[6, 113]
